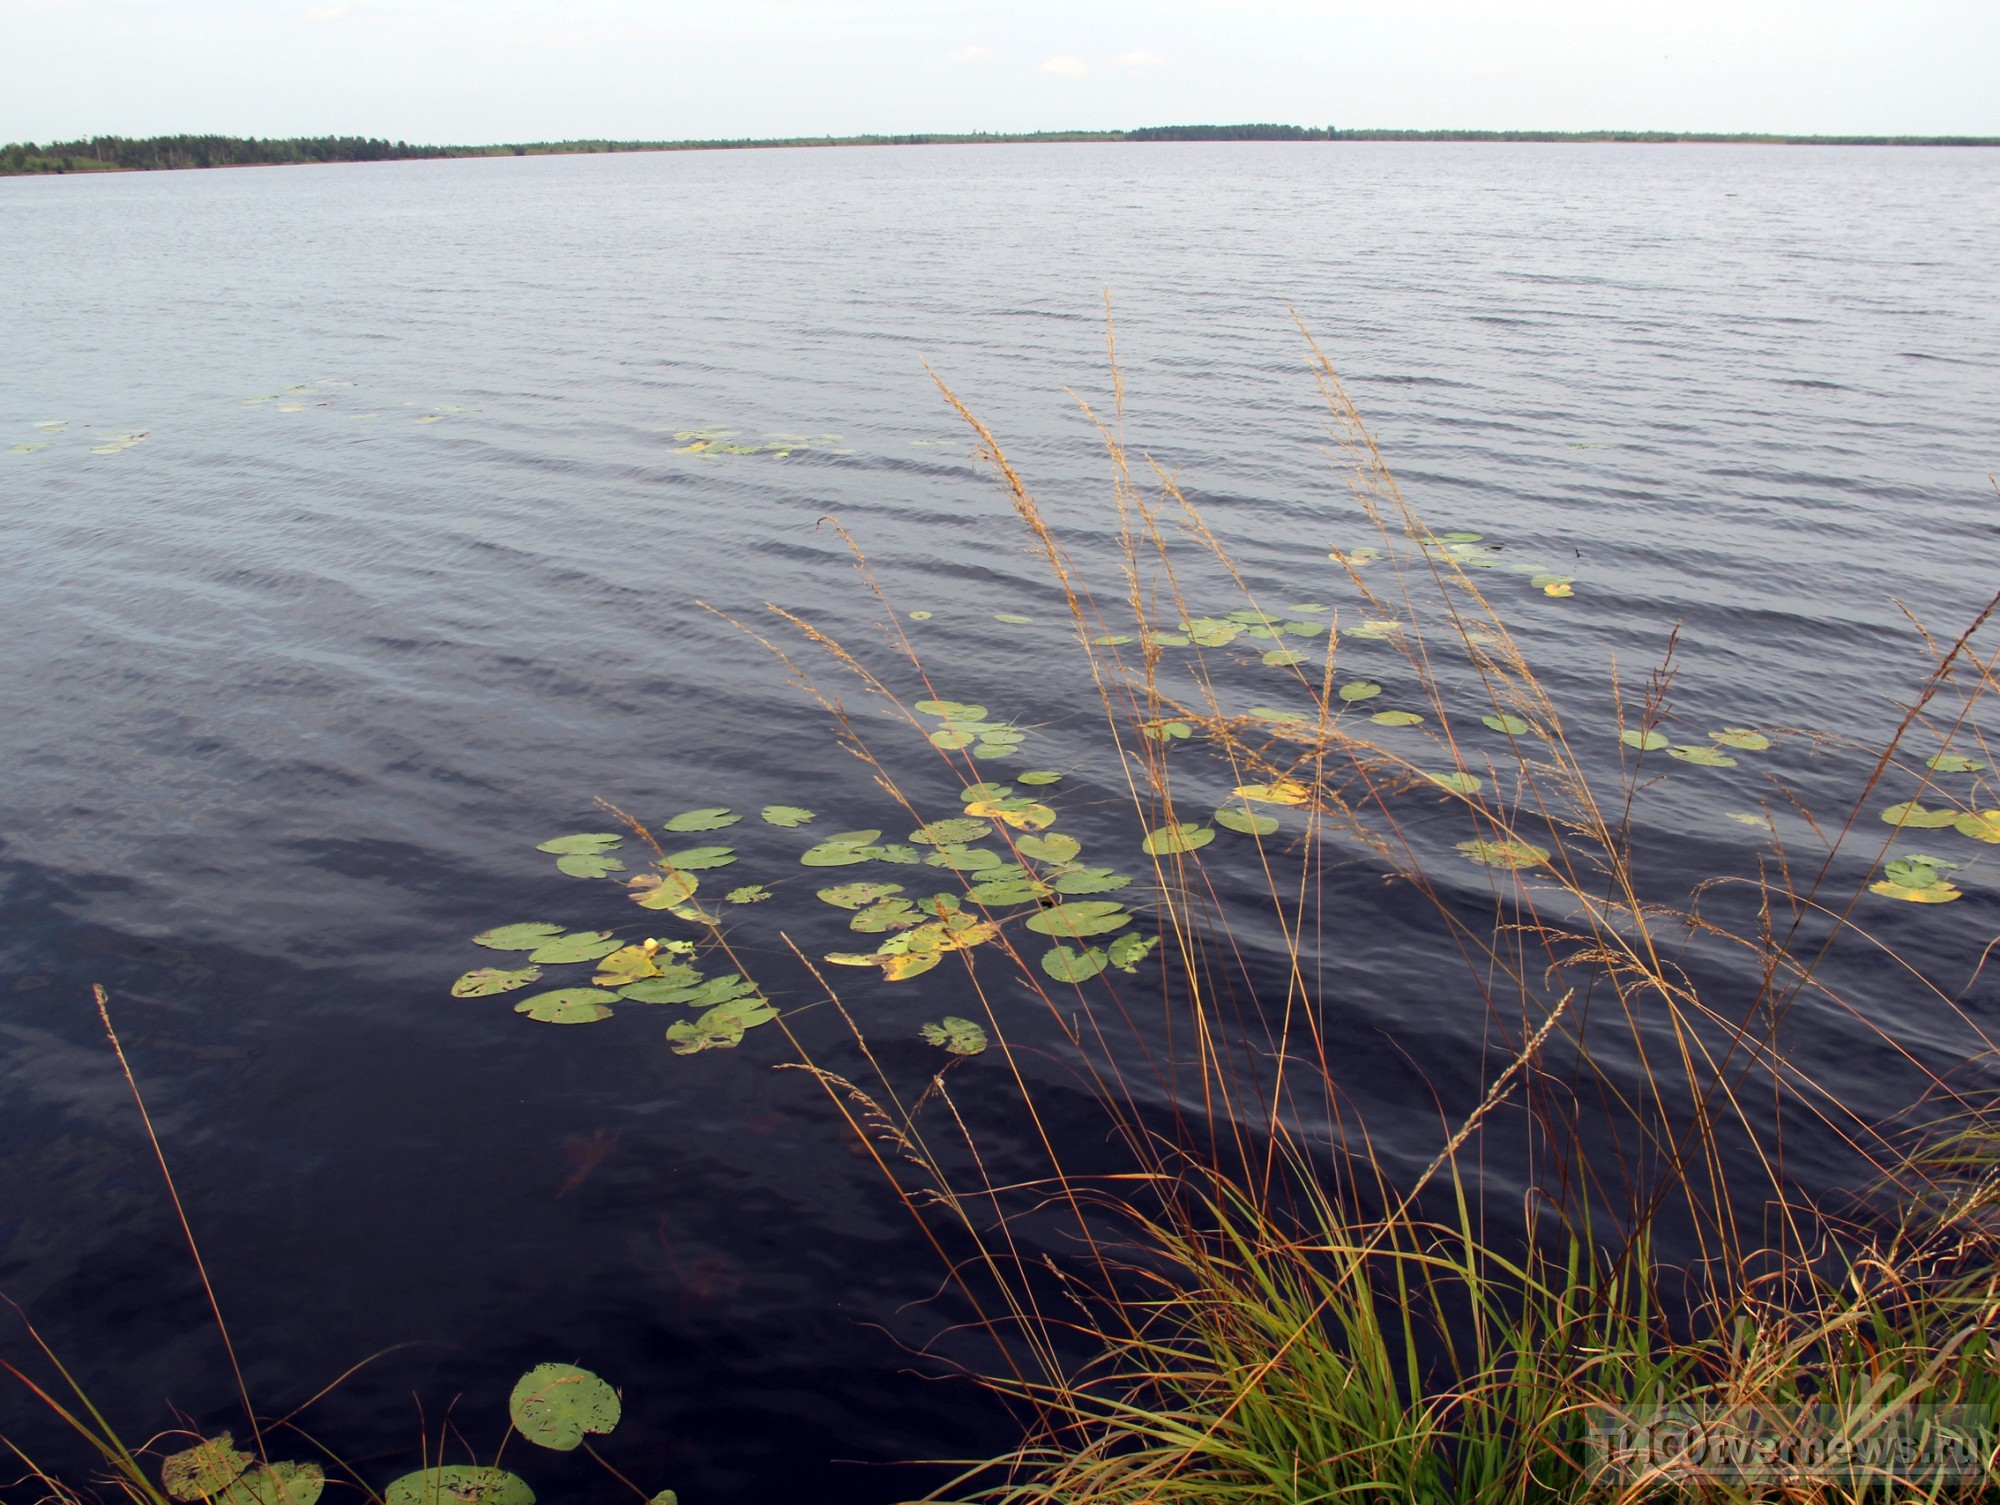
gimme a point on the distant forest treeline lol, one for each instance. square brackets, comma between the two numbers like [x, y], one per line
[127, 154]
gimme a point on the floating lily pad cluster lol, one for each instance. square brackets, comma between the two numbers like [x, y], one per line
[1712, 754]
[1917, 879]
[716, 441]
[966, 726]
[216, 1470]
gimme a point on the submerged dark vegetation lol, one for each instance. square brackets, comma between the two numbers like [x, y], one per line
[1256, 1306]
[161, 153]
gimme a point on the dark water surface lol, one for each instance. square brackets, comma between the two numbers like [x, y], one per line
[291, 687]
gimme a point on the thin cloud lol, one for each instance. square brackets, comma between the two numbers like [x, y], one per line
[1065, 66]
[973, 54]
[1139, 60]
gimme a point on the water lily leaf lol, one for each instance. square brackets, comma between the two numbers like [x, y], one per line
[662, 890]
[1077, 881]
[1007, 891]
[1457, 783]
[749, 893]
[1112, 640]
[1186, 837]
[721, 1028]
[1208, 632]
[962, 1037]
[1260, 631]
[711, 819]
[1305, 629]
[1278, 792]
[1397, 718]
[944, 833]
[626, 965]
[888, 915]
[1936, 893]
[963, 859]
[1951, 762]
[951, 709]
[1644, 741]
[516, 937]
[1166, 640]
[995, 749]
[902, 968]
[902, 855]
[1012, 619]
[1744, 818]
[557, 1405]
[855, 895]
[1129, 950]
[1513, 726]
[1983, 825]
[484, 982]
[205, 1469]
[1022, 815]
[1504, 853]
[1915, 815]
[1360, 689]
[577, 946]
[1367, 554]
[1247, 822]
[1080, 918]
[1268, 713]
[1543, 579]
[587, 865]
[276, 1484]
[834, 854]
[985, 791]
[1562, 590]
[1168, 731]
[787, 816]
[1459, 536]
[1706, 757]
[1037, 777]
[915, 616]
[1067, 965]
[459, 1484]
[698, 859]
[1052, 848]
[568, 1006]
[731, 988]
[1284, 658]
[950, 740]
[586, 844]
[1742, 738]
[677, 983]
[1917, 871]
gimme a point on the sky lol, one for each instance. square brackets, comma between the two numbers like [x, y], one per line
[471, 71]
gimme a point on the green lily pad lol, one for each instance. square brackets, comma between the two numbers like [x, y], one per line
[1269, 713]
[952, 740]
[1284, 658]
[944, 833]
[577, 946]
[459, 1484]
[1744, 818]
[885, 916]
[205, 1469]
[1980, 825]
[787, 816]
[662, 890]
[1916, 816]
[1112, 640]
[1457, 783]
[568, 1006]
[1917, 879]
[1054, 847]
[962, 1037]
[1951, 762]
[1167, 639]
[587, 844]
[517, 937]
[951, 709]
[1077, 919]
[1397, 718]
[1705, 757]
[556, 1405]
[915, 616]
[749, 893]
[1169, 731]
[720, 1028]
[834, 854]
[1644, 741]
[1007, 891]
[1208, 632]
[1360, 689]
[712, 819]
[1186, 837]
[856, 895]
[995, 749]
[675, 984]
[1513, 726]
[588, 865]
[1065, 964]
[1742, 738]
[1505, 854]
[1037, 777]
[892, 852]
[1012, 619]
[1130, 949]
[1249, 824]
[975, 793]
[699, 859]
[1077, 881]
[484, 982]
[277, 1484]
[1305, 629]
[963, 859]
[1545, 579]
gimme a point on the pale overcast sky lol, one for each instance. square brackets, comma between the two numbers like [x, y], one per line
[498, 70]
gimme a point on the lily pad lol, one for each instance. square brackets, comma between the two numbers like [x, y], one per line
[557, 1405]
[963, 859]
[995, 749]
[1085, 917]
[892, 852]
[517, 937]
[1458, 782]
[676, 983]
[787, 816]
[1951, 762]
[1007, 891]
[856, 895]
[459, 1484]
[1055, 847]
[277, 1484]
[1186, 837]
[1167, 639]
[915, 616]
[1397, 718]
[1168, 731]
[1982, 825]
[988, 790]
[1360, 689]
[712, 819]
[568, 1006]
[1744, 818]
[1705, 757]
[586, 844]
[951, 710]
[1561, 590]
[1284, 658]
[484, 982]
[1305, 629]
[588, 865]
[1742, 738]
[577, 946]
[943, 833]
[1036, 777]
[962, 1037]
[1112, 640]
[1278, 792]
[662, 890]
[1077, 881]
[885, 916]
[1012, 619]
[1130, 949]
[952, 740]
[205, 1469]
[1021, 814]
[749, 893]
[626, 965]
[1917, 817]
[1248, 823]
[1066, 964]
[720, 1028]
[1505, 853]
[1917, 880]
[699, 859]
[1513, 726]
[1644, 741]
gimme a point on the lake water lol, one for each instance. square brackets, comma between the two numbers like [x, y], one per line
[292, 687]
